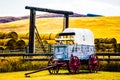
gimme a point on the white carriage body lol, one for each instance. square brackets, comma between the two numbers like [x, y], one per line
[83, 45]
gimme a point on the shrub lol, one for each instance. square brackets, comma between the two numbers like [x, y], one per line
[112, 66]
[9, 65]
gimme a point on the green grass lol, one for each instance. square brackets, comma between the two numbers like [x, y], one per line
[63, 75]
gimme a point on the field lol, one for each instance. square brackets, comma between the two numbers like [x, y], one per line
[102, 27]
[63, 75]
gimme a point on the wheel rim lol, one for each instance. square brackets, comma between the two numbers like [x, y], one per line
[53, 70]
[93, 63]
[74, 65]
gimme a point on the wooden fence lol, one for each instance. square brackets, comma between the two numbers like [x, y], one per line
[108, 56]
[28, 56]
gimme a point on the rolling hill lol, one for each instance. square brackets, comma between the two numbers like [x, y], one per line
[102, 27]
[7, 19]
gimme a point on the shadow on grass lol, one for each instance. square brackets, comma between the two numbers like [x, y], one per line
[67, 73]
[60, 73]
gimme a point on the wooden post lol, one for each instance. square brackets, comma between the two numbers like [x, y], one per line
[32, 30]
[32, 22]
[66, 21]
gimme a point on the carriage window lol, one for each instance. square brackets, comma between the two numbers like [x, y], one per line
[91, 49]
[60, 49]
[81, 48]
[87, 48]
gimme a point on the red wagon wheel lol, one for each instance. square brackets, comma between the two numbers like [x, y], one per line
[74, 65]
[93, 63]
[53, 70]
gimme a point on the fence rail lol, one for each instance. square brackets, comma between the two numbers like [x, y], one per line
[102, 56]
[24, 54]
[109, 57]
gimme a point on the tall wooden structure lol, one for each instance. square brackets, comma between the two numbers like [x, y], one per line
[32, 22]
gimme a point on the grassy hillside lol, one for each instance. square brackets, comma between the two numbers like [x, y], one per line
[102, 27]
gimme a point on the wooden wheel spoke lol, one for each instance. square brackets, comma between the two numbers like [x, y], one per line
[74, 65]
[55, 69]
[93, 63]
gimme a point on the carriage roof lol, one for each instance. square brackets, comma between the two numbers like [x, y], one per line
[81, 36]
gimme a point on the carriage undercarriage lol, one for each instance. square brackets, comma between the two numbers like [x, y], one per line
[74, 64]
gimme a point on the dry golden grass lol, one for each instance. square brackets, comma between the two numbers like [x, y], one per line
[63, 75]
[102, 27]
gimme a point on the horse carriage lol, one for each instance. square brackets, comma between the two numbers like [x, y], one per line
[75, 47]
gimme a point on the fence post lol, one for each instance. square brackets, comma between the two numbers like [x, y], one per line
[49, 48]
[108, 59]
